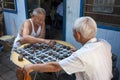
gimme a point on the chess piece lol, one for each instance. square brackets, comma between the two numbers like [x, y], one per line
[20, 58]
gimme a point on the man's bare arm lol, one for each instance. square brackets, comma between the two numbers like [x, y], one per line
[48, 67]
[27, 38]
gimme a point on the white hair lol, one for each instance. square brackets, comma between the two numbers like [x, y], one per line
[86, 26]
[38, 11]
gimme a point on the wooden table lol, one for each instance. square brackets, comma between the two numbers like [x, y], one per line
[14, 56]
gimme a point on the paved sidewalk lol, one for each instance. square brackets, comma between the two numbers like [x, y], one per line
[7, 68]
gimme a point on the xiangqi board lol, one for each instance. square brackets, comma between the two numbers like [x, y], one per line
[42, 53]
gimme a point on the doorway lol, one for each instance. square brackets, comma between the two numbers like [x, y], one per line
[54, 17]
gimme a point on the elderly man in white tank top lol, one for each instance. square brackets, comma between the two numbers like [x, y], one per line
[91, 62]
[33, 30]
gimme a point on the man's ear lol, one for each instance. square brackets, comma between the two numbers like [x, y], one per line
[78, 35]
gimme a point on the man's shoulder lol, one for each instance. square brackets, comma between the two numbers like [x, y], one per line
[27, 22]
[89, 47]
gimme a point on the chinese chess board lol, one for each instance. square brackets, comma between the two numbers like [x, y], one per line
[42, 53]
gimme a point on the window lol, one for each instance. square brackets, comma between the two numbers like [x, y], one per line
[9, 5]
[105, 12]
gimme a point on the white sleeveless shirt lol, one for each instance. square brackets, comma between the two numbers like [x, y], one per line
[33, 33]
[33, 30]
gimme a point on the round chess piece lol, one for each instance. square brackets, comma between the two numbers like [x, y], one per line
[20, 58]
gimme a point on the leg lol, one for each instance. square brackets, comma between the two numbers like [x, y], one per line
[19, 73]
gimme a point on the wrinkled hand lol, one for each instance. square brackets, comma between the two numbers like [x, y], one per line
[51, 43]
[22, 41]
[28, 68]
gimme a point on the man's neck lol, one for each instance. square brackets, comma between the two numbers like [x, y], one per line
[83, 41]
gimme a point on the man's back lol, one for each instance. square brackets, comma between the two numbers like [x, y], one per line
[96, 57]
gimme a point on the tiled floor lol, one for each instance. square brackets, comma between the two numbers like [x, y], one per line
[7, 68]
